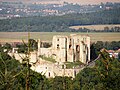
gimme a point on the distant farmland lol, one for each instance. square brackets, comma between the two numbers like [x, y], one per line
[95, 27]
[47, 36]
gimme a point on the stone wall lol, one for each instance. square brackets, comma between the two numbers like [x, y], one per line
[64, 49]
[71, 49]
[21, 56]
[52, 70]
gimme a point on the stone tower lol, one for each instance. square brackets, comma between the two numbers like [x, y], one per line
[59, 48]
[71, 49]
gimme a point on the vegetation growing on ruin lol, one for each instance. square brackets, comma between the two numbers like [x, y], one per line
[50, 59]
[70, 65]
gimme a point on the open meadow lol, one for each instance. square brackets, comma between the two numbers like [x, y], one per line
[47, 36]
[95, 27]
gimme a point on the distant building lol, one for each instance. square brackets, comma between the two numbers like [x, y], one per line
[113, 53]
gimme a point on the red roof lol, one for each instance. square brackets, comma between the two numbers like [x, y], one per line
[110, 51]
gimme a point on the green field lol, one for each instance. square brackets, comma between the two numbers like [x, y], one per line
[47, 36]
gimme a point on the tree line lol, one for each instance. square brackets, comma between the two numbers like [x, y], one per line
[60, 23]
[97, 46]
[106, 29]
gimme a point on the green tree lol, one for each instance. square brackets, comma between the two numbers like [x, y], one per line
[87, 79]
[109, 71]
[7, 46]
[23, 48]
[93, 52]
[8, 72]
[103, 76]
[13, 75]
[33, 44]
[119, 56]
[61, 83]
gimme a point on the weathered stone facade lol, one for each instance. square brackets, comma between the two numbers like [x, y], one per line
[52, 70]
[68, 49]
[64, 49]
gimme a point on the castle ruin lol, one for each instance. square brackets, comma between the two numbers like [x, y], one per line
[68, 48]
[64, 49]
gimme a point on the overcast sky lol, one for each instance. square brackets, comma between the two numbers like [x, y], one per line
[70, 1]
